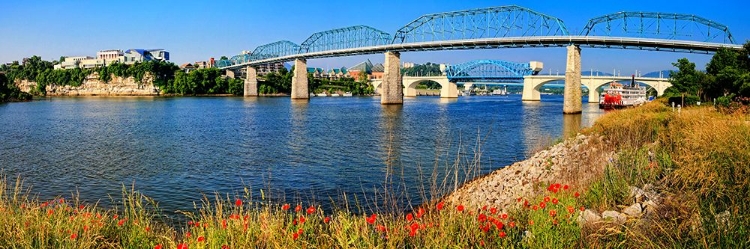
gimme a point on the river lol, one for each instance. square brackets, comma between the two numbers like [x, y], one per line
[177, 149]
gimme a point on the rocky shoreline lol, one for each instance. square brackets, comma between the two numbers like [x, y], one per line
[575, 158]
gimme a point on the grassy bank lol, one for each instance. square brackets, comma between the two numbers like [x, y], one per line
[697, 160]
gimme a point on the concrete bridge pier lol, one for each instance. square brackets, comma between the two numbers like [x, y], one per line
[392, 88]
[572, 93]
[530, 92]
[251, 82]
[449, 90]
[299, 80]
[229, 73]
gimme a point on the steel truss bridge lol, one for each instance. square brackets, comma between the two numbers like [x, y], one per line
[502, 27]
[489, 71]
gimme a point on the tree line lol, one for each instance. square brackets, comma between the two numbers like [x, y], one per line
[726, 78]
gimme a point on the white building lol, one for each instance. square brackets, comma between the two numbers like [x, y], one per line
[107, 57]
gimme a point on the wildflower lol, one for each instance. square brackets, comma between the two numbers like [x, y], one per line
[576, 194]
[158, 246]
[526, 203]
[484, 208]
[493, 210]
[224, 247]
[80, 206]
[285, 207]
[519, 199]
[571, 209]
[73, 236]
[409, 217]
[62, 200]
[542, 205]
[187, 235]
[295, 236]
[412, 233]
[420, 212]
[300, 231]
[298, 208]
[582, 208]
[311, 210]
[504, 216]
[302, 219]
[482, 218]
[499, 225]
[553, 213]
[380, 228]
[85, 228]
[201, 239]
[531, 222]
[223, 223]
[502, 234]
[555, 201]
[326, 219]
[182, 246]
[565, 187]
[554, 222]
[371, 219]
[460, 208]
[485, 228]
[546, 199]
[440, 206]
[148, 229]
[121, 222]
[414, 226]
[238, 202]
[535, 207]
[50, 212]
[512, 224]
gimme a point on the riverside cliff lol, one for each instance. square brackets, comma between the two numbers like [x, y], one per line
[92, 86]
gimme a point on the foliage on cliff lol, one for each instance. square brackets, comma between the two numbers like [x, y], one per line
[9, 91]
[203, 81]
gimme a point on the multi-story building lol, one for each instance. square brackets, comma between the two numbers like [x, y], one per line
[107, 57]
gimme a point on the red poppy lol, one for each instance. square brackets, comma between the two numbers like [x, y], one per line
[482, 218]
[223, 223]
[238, 202]
[119, 223]
[555, 201]
[302, 219]
[285, 207]
[380, 228]
[148, 229]
[484, 208]
[158, 246]
[182, 246]
[414, 226]
[371, 219]
[546, 199]
[512, 224]
[201, 239]
[326, 220]
[499, 225]
[311, 210]
[519, 199]
[412, 233]
[535, 207]
[298, 208]
[526, 203]
[582, 208]
[542, 205]
[493, 210]
[420, 212]
[440, 206]
[187, 234]
[553, 213]
[74, 236]
[295, 236]
[460, 208]
[409, 217]
[531, 222]
[502, 234]
[300, 231]
[80, 207]
[565, 187]
[224, 247]
[576, 194]
[571, 209]
[504, 216]
[485, 228]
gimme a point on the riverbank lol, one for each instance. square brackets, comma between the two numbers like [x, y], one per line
[671, 167]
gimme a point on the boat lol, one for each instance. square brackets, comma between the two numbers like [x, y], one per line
[347, 94]
[503, 91]
[618, 96]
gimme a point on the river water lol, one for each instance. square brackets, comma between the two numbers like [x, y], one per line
[178, 149]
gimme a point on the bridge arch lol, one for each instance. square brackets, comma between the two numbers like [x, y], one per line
[658, 25]
[275, 49]
[343, 38]
[493, 22]
[532, 85]
[492, 70]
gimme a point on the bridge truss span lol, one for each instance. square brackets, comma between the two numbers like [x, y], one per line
[343, 38]
[503, 21]
[488, 70]
[657, 25]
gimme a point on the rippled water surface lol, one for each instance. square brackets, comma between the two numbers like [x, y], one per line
[176, 149]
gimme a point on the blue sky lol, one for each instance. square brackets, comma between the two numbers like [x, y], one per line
[197, 30]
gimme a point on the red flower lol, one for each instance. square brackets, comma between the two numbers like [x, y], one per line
[531, 222]
[535, 207]
[482, 218]
[295, 236]
[502, 234]
[565, 187]
[504, 216]
[371, 219]
[380, 228]
[576, 194]
[326, 220]
[412, 233]
[238, 202]
[485, 228]
[555, 201]
[285, 207]
[187, 234]
[73, 236]
[223, 223]
[499, 225]
[234, 216]
[409, 217]
[493, 210]
[148, 229]
[484, 208]
[460, 208]
[311, 210]
[440, 206]
[554, 222]
[182, 246]
[201, 239]
[420, 212]
[298, 208]
[302, 219]
[546, 199]
[553, 213]
[414, 226]
[224, 247]
[81, 206]
[519, 199]
[512, 224]
[300, 231]
[571, 209]
[525, 203]
[158, 246]
[119, 223]
[582, 208]
[542, 205]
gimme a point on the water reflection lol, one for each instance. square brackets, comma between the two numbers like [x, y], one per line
[391, 133]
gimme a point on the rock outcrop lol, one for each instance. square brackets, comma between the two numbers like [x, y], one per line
[92, 86]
